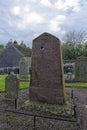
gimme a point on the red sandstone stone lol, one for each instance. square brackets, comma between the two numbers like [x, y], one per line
[47, 77]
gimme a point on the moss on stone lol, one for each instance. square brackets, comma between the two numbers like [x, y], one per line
[50, 109]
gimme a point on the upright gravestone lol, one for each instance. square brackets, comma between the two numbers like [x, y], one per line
[11, 87]
[47, 74]
[81, 69]
[29, 62]
[23, 70]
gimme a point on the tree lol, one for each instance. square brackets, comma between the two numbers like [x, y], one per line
[10, 42]
[23, 44]
[75, 37]
[73, 45]
[15, 42]
[1, 48]
[68, 51]
[21, 47]
[85, 49]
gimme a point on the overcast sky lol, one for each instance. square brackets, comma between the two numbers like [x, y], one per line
[26, 19]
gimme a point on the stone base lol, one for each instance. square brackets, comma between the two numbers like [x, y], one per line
[22, 77]
[49, 109]
[46, 96]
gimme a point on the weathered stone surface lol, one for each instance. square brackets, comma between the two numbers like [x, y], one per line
[47, 77]
[29, 61]
[24, 68]
[81, 69]
[11, 87]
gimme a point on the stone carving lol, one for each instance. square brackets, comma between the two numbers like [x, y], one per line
[47, 74]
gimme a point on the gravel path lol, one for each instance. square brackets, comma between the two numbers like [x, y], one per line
[10, 121]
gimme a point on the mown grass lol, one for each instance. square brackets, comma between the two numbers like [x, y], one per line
[2, 82]
[22, 84]
[77, 84]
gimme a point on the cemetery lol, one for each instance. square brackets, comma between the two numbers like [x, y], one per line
[51, 96]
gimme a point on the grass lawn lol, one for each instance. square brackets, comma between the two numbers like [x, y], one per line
[2, 82]
[22, 84]
[77, 84]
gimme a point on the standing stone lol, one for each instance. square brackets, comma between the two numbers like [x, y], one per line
[81, 69]
[24, 70]
[29, 62]
[47, 74]
[11, 87]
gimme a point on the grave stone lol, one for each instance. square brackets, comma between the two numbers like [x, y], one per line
[11, 87]
[47, 71]
[29, 61]
[24, 70]
[69, 77]
[81, 69]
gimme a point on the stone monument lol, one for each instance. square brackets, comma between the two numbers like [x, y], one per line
[11, 87]
[81, 68]
[47, 71]
[24, 70]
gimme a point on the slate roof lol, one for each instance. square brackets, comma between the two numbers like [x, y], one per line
[10, 57]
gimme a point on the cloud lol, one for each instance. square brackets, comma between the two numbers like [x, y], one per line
[16, 10]
[64, 5]
[30, 19]
[24, 20]
[56, 22]
[19, 10]
[46, 3]
[25, 17]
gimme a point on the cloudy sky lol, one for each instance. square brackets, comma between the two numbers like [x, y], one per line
[26, 19]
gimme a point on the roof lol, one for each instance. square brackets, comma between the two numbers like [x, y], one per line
[10, 57]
